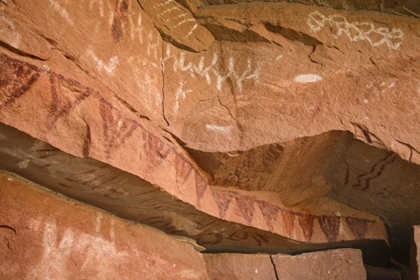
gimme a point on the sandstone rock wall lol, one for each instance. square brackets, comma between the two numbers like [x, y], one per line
[254, 127]
[399, 7]
[44, 236]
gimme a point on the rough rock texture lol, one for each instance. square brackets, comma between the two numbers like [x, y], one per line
[336, 264]
[253, 127]
[239, 266]
[415, 254]
[379, 273]
[288, 74]
[44, 236]
[305, 79]
[97, 124]
[254, 229]
[399, 7]
[178, 25]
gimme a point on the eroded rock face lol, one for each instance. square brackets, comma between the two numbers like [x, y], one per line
[218, 219]
[44, 236]
[178, 24]
[335, 264]
[415, 252]
[398, 7]
[239, 266]
[302, 73]
[256, 127]
[342, 264]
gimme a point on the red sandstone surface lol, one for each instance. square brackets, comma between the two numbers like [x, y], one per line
[241, 126]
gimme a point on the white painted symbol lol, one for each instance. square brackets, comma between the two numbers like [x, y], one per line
[63, 12]
[307, 78]
[180, 94]
[356, 31]
[99, 4]
[152, 46]
[136, 28]
[238, 77]
[219, 129]
[101, 65]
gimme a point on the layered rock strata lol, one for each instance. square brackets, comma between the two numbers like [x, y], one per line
[44, 235]
[256, 127]
[337, 264]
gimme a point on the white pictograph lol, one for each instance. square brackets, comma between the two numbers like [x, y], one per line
[175, 16]
[307, 78]
[153, 45]
[356, 31]
[136, 28]
[218, 128]
[101, 250]
[181, 93]
[63, 12]
[108, 67]
[212, 73]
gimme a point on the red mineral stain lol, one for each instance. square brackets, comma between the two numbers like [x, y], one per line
[62, 103]
[289, 221]
[260, 239]
[330, 226]
[238, 236]
[16, 78]
[209, 238]
[245, 206]
[183, 169]
[269, 213]
[223, 199]
[117, 30]
[120, 18]
[200, 186]
[155, 148]
[357, 226]
[306, 222]
[116, 128]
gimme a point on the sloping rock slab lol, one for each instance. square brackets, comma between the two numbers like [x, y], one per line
[43, 236]
[130, 197]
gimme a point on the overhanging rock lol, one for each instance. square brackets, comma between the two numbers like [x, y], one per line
[255, 127]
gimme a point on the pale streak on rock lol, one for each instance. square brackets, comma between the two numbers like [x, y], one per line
[317, 21]
[15, 37]
[180, 93]
[101, 65]
[192, 30]
[59, 247]
[307, 78]
[63, 12]
[23, 164]
[250, 73]
[136, 28]
[219, 129]
[98, 222]
[101, 6]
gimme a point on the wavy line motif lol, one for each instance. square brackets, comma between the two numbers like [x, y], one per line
[356, 31]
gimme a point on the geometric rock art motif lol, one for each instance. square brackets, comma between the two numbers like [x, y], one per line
[356, 31]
